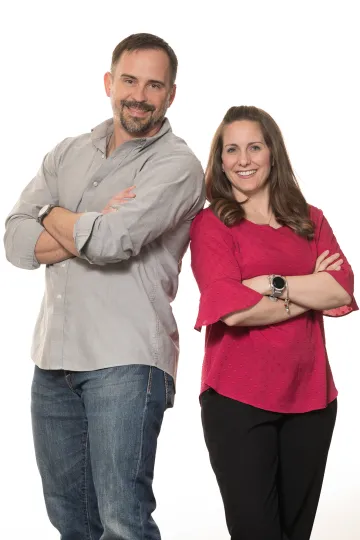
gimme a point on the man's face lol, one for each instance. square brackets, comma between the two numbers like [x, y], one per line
[140, 91]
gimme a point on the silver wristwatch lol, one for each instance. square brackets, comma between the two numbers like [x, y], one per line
[277, 286]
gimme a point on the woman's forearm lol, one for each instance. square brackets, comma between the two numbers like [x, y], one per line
[49, 251]
[317, 291]
[264, 313]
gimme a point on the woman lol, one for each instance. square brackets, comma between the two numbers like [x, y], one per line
[268, 267]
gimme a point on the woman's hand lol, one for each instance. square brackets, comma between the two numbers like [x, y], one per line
[324, 262]
[118, 199]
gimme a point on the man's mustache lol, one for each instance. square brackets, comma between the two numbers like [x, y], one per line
[146, 107]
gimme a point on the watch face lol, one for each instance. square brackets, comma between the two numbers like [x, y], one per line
[43, 210]
[278, 282]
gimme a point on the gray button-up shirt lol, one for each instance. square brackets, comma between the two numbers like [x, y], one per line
[111, 305]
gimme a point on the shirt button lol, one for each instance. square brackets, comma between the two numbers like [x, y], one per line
[59, 297]
[63, 265]
[95, 184]
[102, 155]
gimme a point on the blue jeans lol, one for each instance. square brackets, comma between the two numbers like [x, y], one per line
[95, 436]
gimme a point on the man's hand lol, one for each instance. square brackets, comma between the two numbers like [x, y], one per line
[120, 198]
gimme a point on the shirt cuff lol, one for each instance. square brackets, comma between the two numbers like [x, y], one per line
[82, 231]
[223, 297]
[23, 242]
[346, 280]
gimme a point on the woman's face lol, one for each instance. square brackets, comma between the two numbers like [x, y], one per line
[246, 160]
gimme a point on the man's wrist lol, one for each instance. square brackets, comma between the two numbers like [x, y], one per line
[58, 212]
[51, 215]
[60, 224]
[44, 211]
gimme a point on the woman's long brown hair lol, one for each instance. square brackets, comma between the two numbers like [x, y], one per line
[286, 200]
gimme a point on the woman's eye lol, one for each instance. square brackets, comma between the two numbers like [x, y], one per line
[255, 147]
[230, 150]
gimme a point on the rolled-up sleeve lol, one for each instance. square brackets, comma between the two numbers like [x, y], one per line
[325, 240]
[217, 271]
[169, 190]
[21, 228]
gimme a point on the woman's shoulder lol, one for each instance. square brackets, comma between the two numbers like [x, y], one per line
[315, 214]
[206, 217]
[207, 222]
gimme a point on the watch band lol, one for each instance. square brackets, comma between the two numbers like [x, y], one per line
[276, 292]
[45, 211]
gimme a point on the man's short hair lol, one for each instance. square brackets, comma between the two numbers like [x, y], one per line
[145, 41]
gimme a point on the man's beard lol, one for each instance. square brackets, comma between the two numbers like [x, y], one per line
[136, 125]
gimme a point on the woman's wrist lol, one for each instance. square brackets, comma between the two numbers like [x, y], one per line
[285, 294]
[265, 286]
[259, 284]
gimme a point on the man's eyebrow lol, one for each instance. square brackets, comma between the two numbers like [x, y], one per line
[151, 81]
[155, 81]
[128, 76]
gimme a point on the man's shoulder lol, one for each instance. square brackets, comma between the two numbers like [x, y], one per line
[175, 148]
[79, 141]
[83, 141]
[72, 144]
[177, 143]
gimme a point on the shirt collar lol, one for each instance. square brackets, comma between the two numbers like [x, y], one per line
[100, 133]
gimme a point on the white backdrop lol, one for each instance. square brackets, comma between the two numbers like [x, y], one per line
[296, 59]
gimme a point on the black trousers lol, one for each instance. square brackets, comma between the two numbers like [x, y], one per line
[269, 466]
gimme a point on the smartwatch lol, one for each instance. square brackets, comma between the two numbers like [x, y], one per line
[45, 211]
[277, 285]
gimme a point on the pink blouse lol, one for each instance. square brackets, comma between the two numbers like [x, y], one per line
[281, 367]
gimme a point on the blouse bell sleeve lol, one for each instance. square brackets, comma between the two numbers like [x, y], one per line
[325, 239]
[217, 271]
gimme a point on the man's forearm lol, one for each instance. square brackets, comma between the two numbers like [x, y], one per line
[264, 313]
[60, 225]
[50, 251]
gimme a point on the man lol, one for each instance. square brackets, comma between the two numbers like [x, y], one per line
[106, 343]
